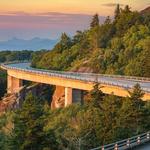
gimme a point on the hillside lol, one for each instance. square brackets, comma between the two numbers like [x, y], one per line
[119, 46]
[146, 10]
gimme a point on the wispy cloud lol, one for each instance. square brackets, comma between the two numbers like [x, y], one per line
[111, 4]
[42, 18]
[47, 19]
[41, 24]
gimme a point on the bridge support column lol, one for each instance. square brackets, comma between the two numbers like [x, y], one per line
[68, 96]
[13, 84]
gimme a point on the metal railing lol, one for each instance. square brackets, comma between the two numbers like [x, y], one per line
[126, 143]
[88, 77]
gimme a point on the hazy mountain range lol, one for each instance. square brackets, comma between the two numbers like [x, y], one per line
[32, 44]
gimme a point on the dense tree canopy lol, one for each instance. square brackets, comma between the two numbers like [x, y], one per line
[2, 83]
[118, 46]
[6, 56]
[101, 120]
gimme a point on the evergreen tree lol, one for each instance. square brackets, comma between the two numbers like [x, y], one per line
[64, 43]
[145, 57]
[130, 119]
[110, 112]
[96, 96]
[136, 96]
[126, 121]
[127, 9]
[28, 132]
[108, 20]
[95, 21]
[117, 11]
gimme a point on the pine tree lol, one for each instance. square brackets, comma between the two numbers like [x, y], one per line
[117, 11]
[95, 21]
[96, 96]
[136, 95]
[110, 111]
[130, 118]
[108, 20]
[127, 9]
[64, 43]
[28, 132]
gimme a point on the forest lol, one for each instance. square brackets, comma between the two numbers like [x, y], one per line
[118, 46]
[10, 56]
[102, 119]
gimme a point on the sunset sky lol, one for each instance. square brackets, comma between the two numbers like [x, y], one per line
[48, 18]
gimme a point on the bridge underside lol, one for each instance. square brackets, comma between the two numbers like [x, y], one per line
[71, 95]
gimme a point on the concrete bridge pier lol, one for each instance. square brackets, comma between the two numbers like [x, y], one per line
[73, 96]
[68, 96]
[13, 84]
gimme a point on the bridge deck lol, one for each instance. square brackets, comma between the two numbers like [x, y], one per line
[146, 146]
[111, 80]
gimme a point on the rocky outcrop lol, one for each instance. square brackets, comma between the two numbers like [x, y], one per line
[84, 70]
[146, 10]
[8, 102]
[83, 67]
[15, 100]
[58, 99]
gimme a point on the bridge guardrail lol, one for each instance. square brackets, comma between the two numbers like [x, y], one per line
[126, 143]
[88, 74]
[99, 75]
[89, 77]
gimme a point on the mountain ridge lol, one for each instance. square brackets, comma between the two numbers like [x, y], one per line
[31, 44]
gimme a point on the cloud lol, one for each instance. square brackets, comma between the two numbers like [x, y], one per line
[47, 19]
[111, 4]
[48, 24]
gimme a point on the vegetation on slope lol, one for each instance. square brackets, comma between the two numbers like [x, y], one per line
[101, 120]
[8, 56]
[119, 46]
[2, 83]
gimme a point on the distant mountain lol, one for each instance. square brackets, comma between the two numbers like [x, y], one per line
[146, 10]
[33, 44]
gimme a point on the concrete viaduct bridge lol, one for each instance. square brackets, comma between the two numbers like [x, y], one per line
[118, 85]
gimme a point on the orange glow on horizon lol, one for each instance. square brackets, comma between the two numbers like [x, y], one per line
[102, 7]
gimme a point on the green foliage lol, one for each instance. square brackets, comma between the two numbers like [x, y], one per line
[87, 126]
[95, 21]
[28, 132]
[96, 96]
[119, 46]
[15, 55]
[102, 120]
[136, 95]
[110, 112]
[2, 83]
[64, 43]
[7, 56]
[117, 11]
[5, 129]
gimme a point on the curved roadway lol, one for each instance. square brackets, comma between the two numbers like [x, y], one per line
[120, 81]
[146, 146]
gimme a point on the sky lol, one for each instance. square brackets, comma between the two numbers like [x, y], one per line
[27, 19]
